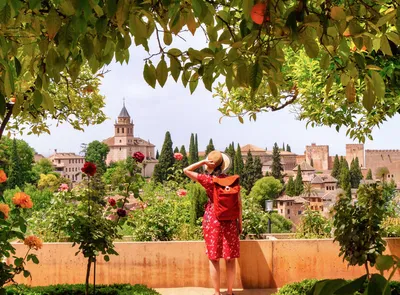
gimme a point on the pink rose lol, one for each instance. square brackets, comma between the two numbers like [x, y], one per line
[181, 192]
[178, 156]
[63, 187]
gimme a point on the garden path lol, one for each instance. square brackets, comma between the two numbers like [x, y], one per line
[209, 291]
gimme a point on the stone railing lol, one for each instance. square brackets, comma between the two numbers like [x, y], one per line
[263, 264]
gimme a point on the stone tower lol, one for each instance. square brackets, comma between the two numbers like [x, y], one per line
[123, 128]
[353, 151]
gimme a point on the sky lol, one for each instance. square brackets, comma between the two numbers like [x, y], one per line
[172, 108]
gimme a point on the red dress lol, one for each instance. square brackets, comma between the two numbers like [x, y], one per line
[221, 237]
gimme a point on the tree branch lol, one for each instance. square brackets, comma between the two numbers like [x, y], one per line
[10, 107]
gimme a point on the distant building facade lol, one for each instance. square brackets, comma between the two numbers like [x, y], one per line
[124, 144]
[68, 165]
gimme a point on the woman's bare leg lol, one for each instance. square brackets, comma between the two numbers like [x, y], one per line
[230, 273]
[215, 275]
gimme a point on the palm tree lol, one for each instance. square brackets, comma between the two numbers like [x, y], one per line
[382, 172]
[309, 191]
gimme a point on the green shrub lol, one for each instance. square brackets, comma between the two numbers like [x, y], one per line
[313, 226]
[300, 288]
[79, 289]
[41, 199]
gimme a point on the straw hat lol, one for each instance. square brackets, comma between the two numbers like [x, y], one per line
[217, 157]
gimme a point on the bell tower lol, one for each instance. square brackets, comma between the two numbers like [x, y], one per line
[123, 127]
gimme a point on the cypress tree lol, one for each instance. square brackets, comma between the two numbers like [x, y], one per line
[345, 180]
[283, 147]
[238, 161]
[276, 169]
[298, 183]
[192, 150]
[176, 150]
[16, 174]
[369, 175]
[231, 153]
[288, 148]
[198, 198]
[247, 175]
[166, 160]
[336, 168]
[196, 145]
[157, 155]
[185, 160]
[257, 166]
[210, 147]
[355, 173]
[290, 188]
[267, 173]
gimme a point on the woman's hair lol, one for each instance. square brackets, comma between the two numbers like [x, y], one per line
[217, 170]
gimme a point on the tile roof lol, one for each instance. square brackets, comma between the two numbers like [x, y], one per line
[251, 148]
[304, 166]
[317, 180]
[328, 178]
[300, 200]
[65, 156]
[124, 113]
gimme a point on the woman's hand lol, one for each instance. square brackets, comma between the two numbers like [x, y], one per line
[209, 163]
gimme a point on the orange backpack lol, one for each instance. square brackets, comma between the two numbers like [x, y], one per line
[226, 197]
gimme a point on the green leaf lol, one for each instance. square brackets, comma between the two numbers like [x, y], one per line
[8, 78]
[272, 87]
[111, 8]
[384, 262]
[18, 66]
[369, 96]
[360, 60]
[162, 72]
[149, 74]
[200, 9]
[2, 105]
[325, 61]
[5, 14]
[329, 84]
[2, 4]
[106, 258]
[256, 75]
[311, 47]
[37, 98]
[194, 81]
[379, 85]
[67, 7]
[331, 286]
[122, 12]
[26, 273]
[352, 287]
[167, 38]
[18, 262]
[247, 6]
[386, 18]
[337, 13]
[376, 285]
[53, 23]
[385, 47]
[34, 4]
[175, 68]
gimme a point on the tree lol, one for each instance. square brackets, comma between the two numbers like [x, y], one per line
[247, 180]
[185, 160]
[290, 188]
[176, 150]
[210, 147]
[196, 151]
[49, 181]
[276, 168]
[283, 147]
[43, 166]
[266, 188]
[192, 150]
[355, 173]
[239, 165]
[48, 33]
[288, 148]
[16, 176]
[230, 151]
[96, 153]
[369, 175]
[257, 168]
[198, 198]
[345, 180]
[157, 155]
[165, 161]
[336, 168]
[381, 173]
[298, 182]
[308, 190]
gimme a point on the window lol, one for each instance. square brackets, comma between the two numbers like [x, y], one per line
[321, 207]
[120, 140]
[59, 161]
[288, 211]
[281, 203]
[299, 212]
[120, 149]
[117, 130]
[312, 207]
[122, 130]
[282, 211]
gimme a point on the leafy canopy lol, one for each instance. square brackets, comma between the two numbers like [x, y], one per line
[344, 53]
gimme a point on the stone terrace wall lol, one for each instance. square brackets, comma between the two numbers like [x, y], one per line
[263, 264]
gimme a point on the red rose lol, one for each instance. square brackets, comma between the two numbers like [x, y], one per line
[181, 192]
[121, 212]
[89, 168]
[112, 202]
[258, 13]
[138, 156]
[178, 156]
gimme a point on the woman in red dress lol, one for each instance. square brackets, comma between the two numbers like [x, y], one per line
[221, 237]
